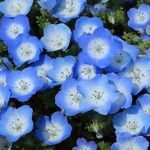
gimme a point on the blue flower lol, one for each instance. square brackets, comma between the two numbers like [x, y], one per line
[69, 9]
[100, 48]
[12, 8]
[12, 28]
[4, 97]
[27, 49]
[139, 18]
[132, 121]
[83, 144]
[139, 73]
[48, 4]
[124, 58]
[144, 102]
[56, 37]
[86, 25]
[23, 84]
[43, 66]
[62, 68]
[53, 130]
[3, 77]
[16, 123]
[124, 86]
[126, 141]
[70, 99]
[98, 93]
[85, 71]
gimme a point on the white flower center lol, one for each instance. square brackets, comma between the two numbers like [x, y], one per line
[53, 132]
[85, 148]
[14, 30]
[146, 109]
[16, 7]
[23, 86]
[26, 51]
[98, 48]
[64, 73]
[141, 17]
[87, 71]
[56, 41]
[88, 28]
[16, 126]
[71, 8]
[74, 98]
[133, 125]
[129, 145]
[42, 72]
[98, 97]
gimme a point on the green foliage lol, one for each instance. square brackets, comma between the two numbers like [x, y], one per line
[104, 145]
[3, 48]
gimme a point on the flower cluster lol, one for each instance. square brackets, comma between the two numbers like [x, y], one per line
[108, 76]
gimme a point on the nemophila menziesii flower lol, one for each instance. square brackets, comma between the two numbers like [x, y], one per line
[27, 49]
[124, 58]
[147, 30]
[23, 84]
[83, 144]
[128, 142]
[12, 28]
[139, 18]
[4, 97]
[124, 86]
[3, 77]
[70, 99]
[100, 48]
[43, 66]
[132, 121]
[144, 102]
[53, 130]
[56, 37]
[48, 4]
[62, 68]
[69, 9]
[86, 25]
[16, 123]
[85, 71]
[98, 93]
[139, 73]
[12, 8]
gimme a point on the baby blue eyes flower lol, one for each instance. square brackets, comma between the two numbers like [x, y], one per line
[100, 48]
[56, 37]
[27, 49]
[12, 8]
[132, 121]
[98, 93]
[23, 84]
[69, 9]
[139, 18]
[62, 68]
[4, 97]
[86, 25]
[3, 77]
[70, 99]
[43, 66]
[128, 142]
[48, 4]
[16, 123]
[53, 130]
[83, 144]
[12, 28]
[139, 73]
[144, 103]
